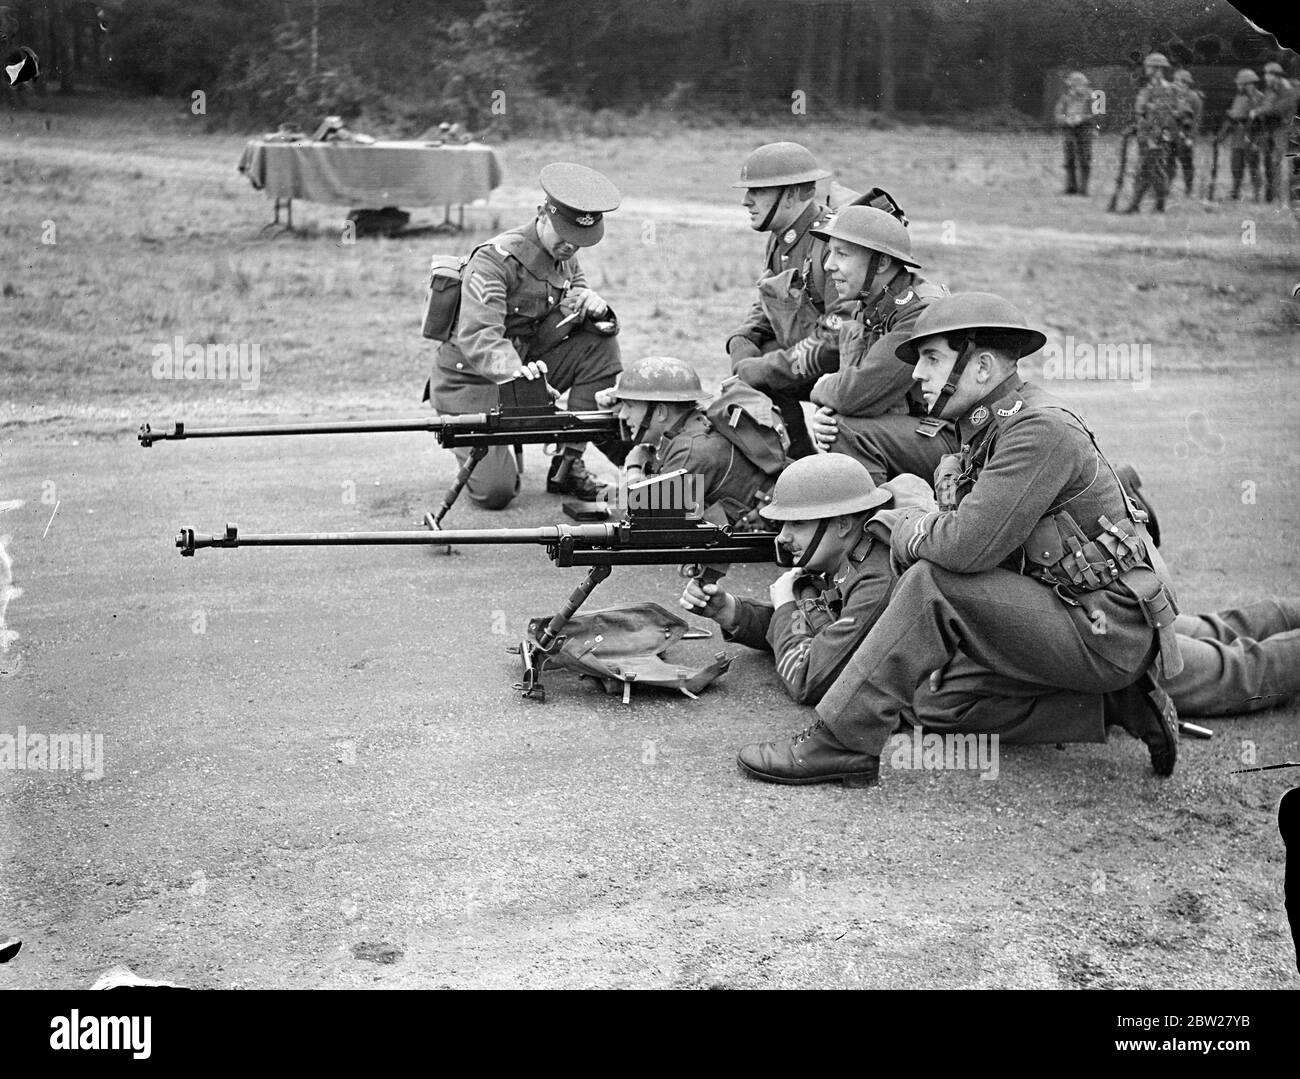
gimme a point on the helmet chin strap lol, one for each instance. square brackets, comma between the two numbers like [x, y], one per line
[873, 267]
[954, 376]
[811, 549]
[771, 213]
[639, 437]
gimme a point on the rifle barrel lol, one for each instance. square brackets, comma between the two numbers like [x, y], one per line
[188, 541]
[483, 428]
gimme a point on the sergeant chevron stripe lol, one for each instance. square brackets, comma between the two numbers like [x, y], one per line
[485, 291]
[918, 534]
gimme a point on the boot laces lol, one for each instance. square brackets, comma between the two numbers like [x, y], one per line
[807, 733]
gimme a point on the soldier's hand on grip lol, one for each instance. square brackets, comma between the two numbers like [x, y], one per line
[709, 600]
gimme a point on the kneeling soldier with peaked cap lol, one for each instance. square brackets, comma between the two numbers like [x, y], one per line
[868, 408]
[1041, 571]
[525, 308]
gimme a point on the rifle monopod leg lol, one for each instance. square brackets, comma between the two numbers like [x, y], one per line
[545, 639]
[434, 519]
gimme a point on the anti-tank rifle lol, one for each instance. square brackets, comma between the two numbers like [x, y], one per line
[525, 415]
[648, 535]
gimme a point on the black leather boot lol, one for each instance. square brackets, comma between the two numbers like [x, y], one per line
[1147, 712]
[569, 476]
[814, 755]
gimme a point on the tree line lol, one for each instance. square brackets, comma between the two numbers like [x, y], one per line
[415, 61]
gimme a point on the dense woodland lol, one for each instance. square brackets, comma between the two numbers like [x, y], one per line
[410, 62]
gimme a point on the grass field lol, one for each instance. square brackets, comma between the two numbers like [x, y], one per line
[157, 235]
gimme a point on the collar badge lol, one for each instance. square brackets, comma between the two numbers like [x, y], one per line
[979, 417]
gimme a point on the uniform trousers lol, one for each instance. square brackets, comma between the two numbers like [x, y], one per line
[1008, 624]
[582, 364]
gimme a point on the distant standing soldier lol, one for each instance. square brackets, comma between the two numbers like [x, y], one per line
[1155, 123]
[1183, 152]
[1276, 114]
[1241, 132]
[790, 335]
[1074, 117]
[518, 292]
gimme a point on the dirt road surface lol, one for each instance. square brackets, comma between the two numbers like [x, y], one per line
[316, 774]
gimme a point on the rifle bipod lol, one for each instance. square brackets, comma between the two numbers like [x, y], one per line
[545, 640]
[433, 519]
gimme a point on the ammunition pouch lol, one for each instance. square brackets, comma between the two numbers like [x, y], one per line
[1059, 554]
[442, 304]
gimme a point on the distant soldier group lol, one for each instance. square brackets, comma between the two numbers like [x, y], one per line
[1167, 119]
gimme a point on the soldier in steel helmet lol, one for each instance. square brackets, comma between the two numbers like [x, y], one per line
[790, 335]
[1191, 110]
[1276, 114]
[1041, 572]
[526, 309]
[1156, 125]
[868, 408]
[835, 524]
[661, 406]
[1074, 116]
[837, 527]
[1242, 132]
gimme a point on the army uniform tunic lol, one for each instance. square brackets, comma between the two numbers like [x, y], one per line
[510, 297]
[795, 321]
[873, 395]
[728, 479]
[1242, 146]
[1073, 114]
[965, 586]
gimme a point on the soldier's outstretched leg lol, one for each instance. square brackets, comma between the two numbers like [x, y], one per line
[889, 445]
[1236, 661]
